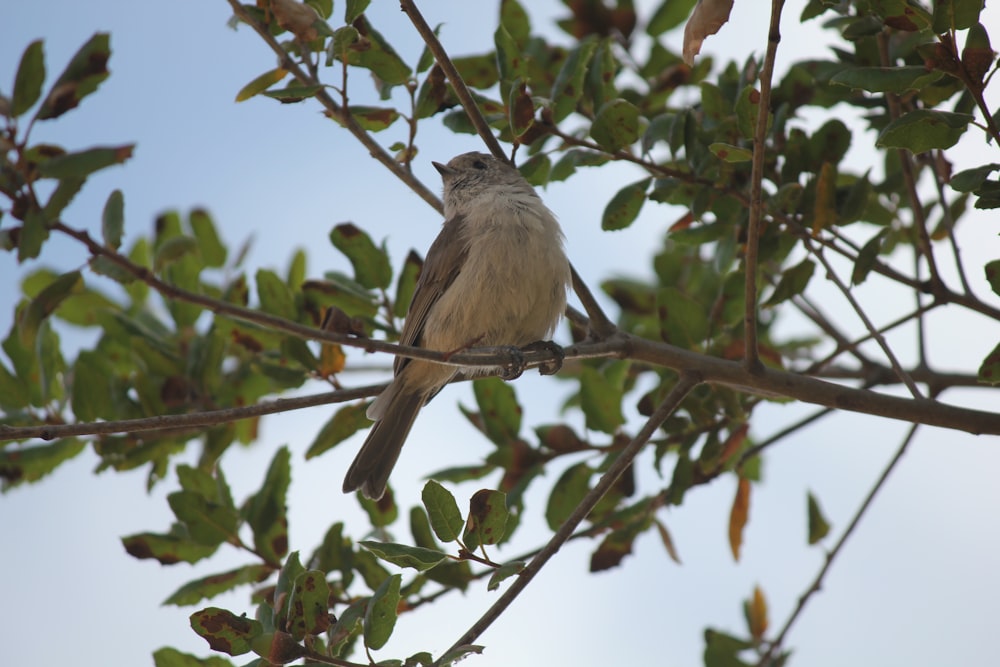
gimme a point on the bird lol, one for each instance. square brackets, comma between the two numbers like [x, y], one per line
[496, 275]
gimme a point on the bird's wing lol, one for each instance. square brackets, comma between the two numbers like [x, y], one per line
[442, 265]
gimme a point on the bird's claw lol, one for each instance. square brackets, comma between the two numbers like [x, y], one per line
[548, 367]
[515, 366]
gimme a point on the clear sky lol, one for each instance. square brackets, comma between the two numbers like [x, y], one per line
[916, 585]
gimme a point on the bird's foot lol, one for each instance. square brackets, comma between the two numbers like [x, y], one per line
[548, 367]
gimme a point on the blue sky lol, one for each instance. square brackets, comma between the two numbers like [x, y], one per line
[916, 585]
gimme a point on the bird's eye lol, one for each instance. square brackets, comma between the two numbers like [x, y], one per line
[479, 164]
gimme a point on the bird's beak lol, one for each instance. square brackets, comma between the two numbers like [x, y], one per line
[444, 169]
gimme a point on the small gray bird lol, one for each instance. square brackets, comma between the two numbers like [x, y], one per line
[496, 275]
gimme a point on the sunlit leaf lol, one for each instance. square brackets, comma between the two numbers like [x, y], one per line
[261, 83]
[84, 73]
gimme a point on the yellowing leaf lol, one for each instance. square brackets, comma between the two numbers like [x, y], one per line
[756, 611]
[738, 517]
[706, 19]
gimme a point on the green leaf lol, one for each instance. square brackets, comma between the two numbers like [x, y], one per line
[818, 525]
[683, 321]
[536, 169]
[567, 493]
[419, 558]
[487, 521]
[210, 247]
[62, 196]
[669, 15]
[171, 657]
[168, 548]
[886, 79]
[373, 119]
[225, 631]
[85, 72]
[29, 464]
[989, 370]
[378, 56]
[406, 284]
[601, 397]
[747, 109]
[266, 511]
[923, 130]
[308, 606]
[380, 614]
[291, 94]
[722, 650]
[275, 296]
[33, 234]
[45, 303]
[730, 153]
[92, 392]
[624, 207]
[515, 20]
[970, 180]
[344, 423]
[793, 281]
[354, 8]
[214, 584]
[261, 83]
[113, 220]
[993, 275]
[442, 510]
[209, 523]
[499, 408]
[616, 125]
[568, 86]
[371, 264]
[867, 257]
[505, 571]
[29, 79]
[955, 14]
[173, 250]
[84, 163]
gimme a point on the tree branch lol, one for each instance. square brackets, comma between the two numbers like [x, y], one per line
[818, 581]
[751, 360]
[336, 111]
[448, 67]
[687, 381]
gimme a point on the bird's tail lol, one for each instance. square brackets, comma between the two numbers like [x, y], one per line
[373, 464]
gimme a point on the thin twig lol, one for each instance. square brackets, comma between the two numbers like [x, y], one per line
[751, 360]
[783, 433]
[872, 329]
[189, 420]
[685, 384]
[909, 178]
[448, 67]
[336, 111]
[818, 581]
